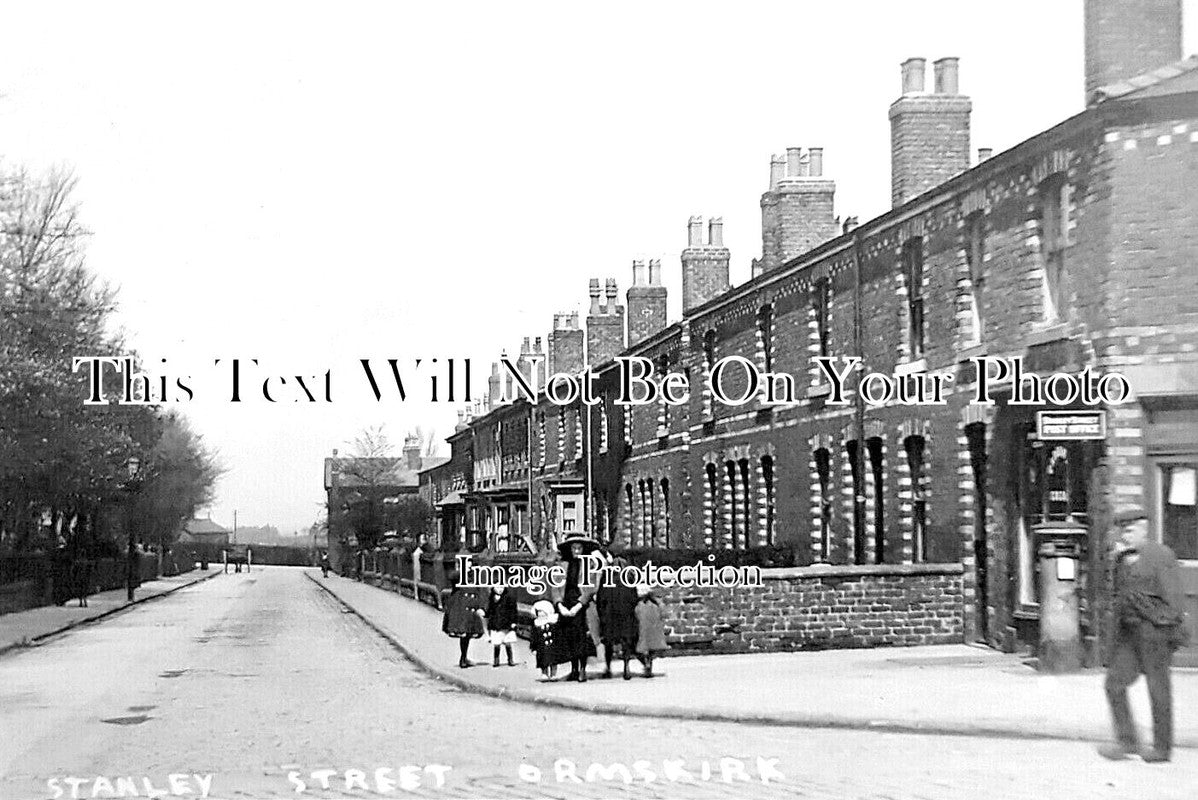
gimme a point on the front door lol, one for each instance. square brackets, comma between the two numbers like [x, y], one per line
[1176, 516]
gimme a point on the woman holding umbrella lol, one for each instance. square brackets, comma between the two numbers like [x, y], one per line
[573, 607]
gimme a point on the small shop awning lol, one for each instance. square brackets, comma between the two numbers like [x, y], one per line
[451, 499]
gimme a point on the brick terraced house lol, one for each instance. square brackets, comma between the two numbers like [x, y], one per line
[1075, 250]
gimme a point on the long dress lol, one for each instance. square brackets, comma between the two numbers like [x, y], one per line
[574, 630]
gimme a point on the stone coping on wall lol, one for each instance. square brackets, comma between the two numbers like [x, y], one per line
[858, 571]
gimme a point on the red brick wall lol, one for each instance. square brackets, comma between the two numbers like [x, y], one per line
[820, 608]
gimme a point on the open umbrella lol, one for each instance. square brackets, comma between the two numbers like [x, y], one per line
[565, 546]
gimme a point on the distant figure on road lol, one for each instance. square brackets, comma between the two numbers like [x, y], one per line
[324, 563]
[651, 629]
[464, 611]
[501, 622]
[1148, 626]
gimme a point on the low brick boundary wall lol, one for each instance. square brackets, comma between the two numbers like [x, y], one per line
[800, 608]
[819, 608]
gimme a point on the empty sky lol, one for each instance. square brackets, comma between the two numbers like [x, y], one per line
[313, 184]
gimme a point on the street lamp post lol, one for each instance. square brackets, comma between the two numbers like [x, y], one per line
[132, 485]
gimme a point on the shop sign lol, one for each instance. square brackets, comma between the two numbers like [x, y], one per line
[1071, 425]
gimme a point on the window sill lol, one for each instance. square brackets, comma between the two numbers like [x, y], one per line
[1046, 333]
[972, 350]
[911, 368]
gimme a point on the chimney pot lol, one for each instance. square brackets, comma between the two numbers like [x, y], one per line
[946, 71]
[525, 346]
[913, 75]
[596, 305]
[816, 159]
[695, 232]
[655, 272]
[715, 232]
[793, 161]
[638, 273]
[777, 170]
[984, 153]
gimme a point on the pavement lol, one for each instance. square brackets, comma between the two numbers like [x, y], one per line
[260, 686]
[30, 627]
[944, 689]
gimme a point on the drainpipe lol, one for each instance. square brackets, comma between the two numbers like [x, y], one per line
[858, 410]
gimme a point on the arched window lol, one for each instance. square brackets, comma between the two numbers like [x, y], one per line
[914, 447]
[665, 512]
[823, 474]
[765, 336]
[734, 521]
[713, 497]
[767, 484]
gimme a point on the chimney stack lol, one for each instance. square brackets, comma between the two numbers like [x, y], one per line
[797, 210]
[1126, 38]
[646, 302]
[984, 153]
[566, 344]
[929, 133]
[704, 266]
[605, 328]
[411, 453]
[494, 386]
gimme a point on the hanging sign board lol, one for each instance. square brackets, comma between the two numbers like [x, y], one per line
[1071, 425]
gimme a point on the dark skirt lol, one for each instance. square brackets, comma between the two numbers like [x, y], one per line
[576, 636]
[461, 618]
[617, 614]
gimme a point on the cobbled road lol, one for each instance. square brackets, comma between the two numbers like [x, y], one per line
[261, 685]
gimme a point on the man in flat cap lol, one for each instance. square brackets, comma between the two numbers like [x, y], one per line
[1147, 627]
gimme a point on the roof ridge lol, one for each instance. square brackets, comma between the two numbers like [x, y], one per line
[1144, 80]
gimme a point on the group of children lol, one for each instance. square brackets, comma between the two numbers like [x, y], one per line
[621, 618]
[624, 618]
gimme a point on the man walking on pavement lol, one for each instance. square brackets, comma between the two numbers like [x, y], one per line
[1147, 626]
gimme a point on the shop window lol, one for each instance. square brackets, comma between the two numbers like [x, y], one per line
[1178, 483]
